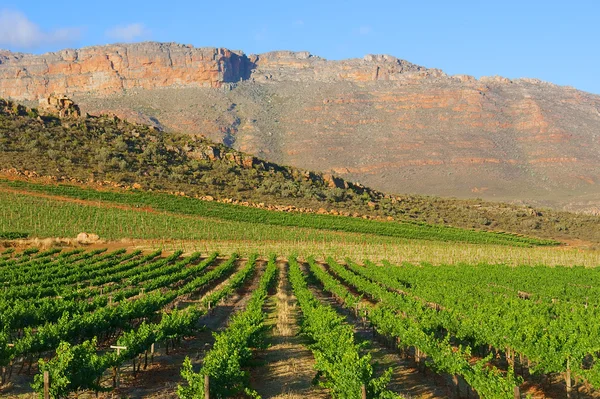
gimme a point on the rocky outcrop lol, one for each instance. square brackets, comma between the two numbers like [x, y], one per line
[61, 106]
[12, 108]
[87, 238]
[280, 66]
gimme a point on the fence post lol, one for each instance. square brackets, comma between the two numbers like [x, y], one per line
[363, 389]
[517, 392]
[206, 386]
[46, 385]
[568, 379]
[117, 369]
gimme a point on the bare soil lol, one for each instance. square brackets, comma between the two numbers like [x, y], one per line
[285, 369]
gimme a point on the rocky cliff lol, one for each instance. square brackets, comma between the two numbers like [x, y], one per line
[115, 68]
[118, 68]
[378, 120]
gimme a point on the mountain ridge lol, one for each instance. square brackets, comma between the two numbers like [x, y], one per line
[240, 66]
[384, 122]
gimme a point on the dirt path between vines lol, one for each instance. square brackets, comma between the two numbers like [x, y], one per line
[161, 380]
[406, 379]
[285, 368]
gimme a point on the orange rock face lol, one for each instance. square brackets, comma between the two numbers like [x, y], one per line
[115, 68]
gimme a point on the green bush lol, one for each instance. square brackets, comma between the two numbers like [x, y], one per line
[13, 235]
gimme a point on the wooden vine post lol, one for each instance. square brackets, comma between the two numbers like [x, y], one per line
[517, 393]
[206, 386]
[146, 356]
[418, 358]
[46, 385]
[568, 379]
[116, 370]
[363, 389]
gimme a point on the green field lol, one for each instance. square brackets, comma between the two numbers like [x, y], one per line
[148, 220]
[218, 212]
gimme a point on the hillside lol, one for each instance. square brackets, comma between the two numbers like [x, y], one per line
[380, 121]
[106, 152]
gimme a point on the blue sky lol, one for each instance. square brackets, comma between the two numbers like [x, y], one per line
[556, 41]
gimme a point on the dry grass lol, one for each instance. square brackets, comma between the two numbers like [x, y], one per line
[285, 322]
[287, 365]
[413, 251]
[404, 251]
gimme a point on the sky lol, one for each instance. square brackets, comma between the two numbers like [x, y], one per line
[556, 41]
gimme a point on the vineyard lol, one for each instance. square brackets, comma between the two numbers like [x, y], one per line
[227, 213]
[137, 324]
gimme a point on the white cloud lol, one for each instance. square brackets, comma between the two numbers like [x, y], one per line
[364, 30]
[128, 33]
[18, 31]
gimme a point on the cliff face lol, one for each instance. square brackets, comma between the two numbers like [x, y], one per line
[379, 120]
[115, 68]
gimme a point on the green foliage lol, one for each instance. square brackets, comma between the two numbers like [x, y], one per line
[195, 382]
[398, 316]
[337, 355]
[6, 352]
[232, 348]
[73, 368]
[115, 150]
[12, 235]
[108, 149]
[543, 314]
[78, 367]
[451, 313]
[234, 213]
[30, 251]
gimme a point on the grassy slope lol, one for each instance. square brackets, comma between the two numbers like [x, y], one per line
[53, 216]
[253, 216]
[109, 149]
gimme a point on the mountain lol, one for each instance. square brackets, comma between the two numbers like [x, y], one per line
[380, 121]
